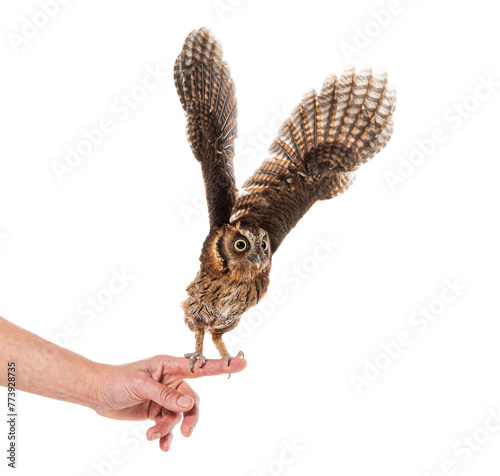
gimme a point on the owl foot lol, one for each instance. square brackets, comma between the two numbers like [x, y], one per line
[239, 355]
[194, 357]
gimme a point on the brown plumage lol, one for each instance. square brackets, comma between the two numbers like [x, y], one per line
[328, 136]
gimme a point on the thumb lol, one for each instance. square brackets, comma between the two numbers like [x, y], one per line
[167, 397]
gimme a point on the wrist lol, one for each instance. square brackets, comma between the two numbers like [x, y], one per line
[93, 384]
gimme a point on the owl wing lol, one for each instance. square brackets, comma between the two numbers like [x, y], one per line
[327, 137]
[207, 95]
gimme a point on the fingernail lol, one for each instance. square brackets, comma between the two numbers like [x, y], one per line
[155, 436]
[184, 401]
[191, 430]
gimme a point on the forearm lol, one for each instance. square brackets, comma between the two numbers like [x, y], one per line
[46, 369]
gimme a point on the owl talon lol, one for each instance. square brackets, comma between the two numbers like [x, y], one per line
[194, 356]
[239, 355]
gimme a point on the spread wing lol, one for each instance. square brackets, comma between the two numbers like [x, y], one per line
[207, 94]
[327, 137]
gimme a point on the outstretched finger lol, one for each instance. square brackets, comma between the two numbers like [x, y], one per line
[190, 417]
[180, 366]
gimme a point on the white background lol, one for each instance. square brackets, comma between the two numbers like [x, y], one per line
[134, 203]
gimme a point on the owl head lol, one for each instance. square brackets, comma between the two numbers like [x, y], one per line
[243, 251]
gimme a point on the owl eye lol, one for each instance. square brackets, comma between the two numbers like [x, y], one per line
[264, 244]
[240, 245]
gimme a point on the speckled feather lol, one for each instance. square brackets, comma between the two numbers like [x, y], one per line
[207, 94]
[327, 137]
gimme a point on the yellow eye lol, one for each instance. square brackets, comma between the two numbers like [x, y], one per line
[240, 245]
[264, 244]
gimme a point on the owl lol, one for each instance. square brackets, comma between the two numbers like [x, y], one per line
[314, 156]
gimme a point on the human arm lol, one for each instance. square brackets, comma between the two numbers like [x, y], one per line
[153, 388]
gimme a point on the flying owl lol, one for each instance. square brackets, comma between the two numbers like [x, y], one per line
[327, 137]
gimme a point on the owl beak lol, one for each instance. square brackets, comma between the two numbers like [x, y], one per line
[256, 260]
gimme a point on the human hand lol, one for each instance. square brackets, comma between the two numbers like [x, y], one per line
[155, 389]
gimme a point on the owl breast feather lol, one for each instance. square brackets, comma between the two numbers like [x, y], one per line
[219, 304]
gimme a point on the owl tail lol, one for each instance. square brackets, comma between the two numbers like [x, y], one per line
[328, 136]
